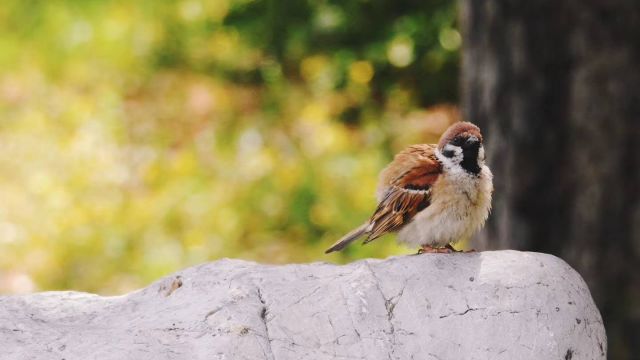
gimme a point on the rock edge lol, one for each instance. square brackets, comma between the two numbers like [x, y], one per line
[488, 305]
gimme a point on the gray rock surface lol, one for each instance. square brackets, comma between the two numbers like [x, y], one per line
[489, 305]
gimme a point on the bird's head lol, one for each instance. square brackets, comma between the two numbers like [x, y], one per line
[461, 147]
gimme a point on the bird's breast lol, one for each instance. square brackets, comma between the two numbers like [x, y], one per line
[459, 207]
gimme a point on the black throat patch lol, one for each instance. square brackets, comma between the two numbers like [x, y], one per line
[470, 158]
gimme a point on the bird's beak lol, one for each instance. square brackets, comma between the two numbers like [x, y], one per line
[472, 140]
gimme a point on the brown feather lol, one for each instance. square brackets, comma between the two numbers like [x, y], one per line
[406, 185]
[404, 189]
[348, 238]
[462, 128]
[397, 209]
[410, 166]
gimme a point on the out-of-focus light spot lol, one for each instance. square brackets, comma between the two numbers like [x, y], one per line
[294, 174]
[312, 66]
[321, 138]
[200, 100]
[39, 259]
[316, 133]
[272, 205]
[255, 166]
[16, 283]
[114, 28]
[328, 17]
[341, 167]
[114, 247]
[190, 10]
[225, 221]
[40, 182]
[80, 32]
[314, 112]
[450, 39]
[196, 207]
[361, 72]
[164, 254]
[10, 233]
[249, 142]
[11, 90]
[223, 99]
[400, 51]
[318, 72]
[143, 37]
[184, 163]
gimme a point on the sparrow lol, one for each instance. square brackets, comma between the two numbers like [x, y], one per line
[432, 195]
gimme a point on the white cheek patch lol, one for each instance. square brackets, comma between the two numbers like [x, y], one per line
[457, 151]
[453, 160]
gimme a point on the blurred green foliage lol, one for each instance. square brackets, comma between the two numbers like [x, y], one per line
[137, 138]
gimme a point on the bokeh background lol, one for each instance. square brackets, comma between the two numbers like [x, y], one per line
[138, 138]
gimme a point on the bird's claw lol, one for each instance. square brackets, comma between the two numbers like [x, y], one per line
[447, 249]
[428, 249]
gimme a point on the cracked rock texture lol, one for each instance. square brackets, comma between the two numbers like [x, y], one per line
[489, 305]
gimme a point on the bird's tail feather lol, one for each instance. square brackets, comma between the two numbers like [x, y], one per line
[353, 235]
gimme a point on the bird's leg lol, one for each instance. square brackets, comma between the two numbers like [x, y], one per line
[448, 246]
[425, 249]
[428, 249]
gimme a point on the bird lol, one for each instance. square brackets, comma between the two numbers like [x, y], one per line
[432, 195]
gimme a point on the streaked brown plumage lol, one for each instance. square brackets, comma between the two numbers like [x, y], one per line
[446, 187]
[405, 189]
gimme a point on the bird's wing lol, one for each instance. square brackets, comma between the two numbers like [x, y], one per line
[404, 189]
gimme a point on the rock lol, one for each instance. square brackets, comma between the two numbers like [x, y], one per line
[489, 305]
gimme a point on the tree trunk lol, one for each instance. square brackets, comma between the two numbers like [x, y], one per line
[555, 86]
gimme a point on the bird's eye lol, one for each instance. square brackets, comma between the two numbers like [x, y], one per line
[448, 153]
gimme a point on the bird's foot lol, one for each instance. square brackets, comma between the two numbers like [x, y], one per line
[447, 249]
[428, 249]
